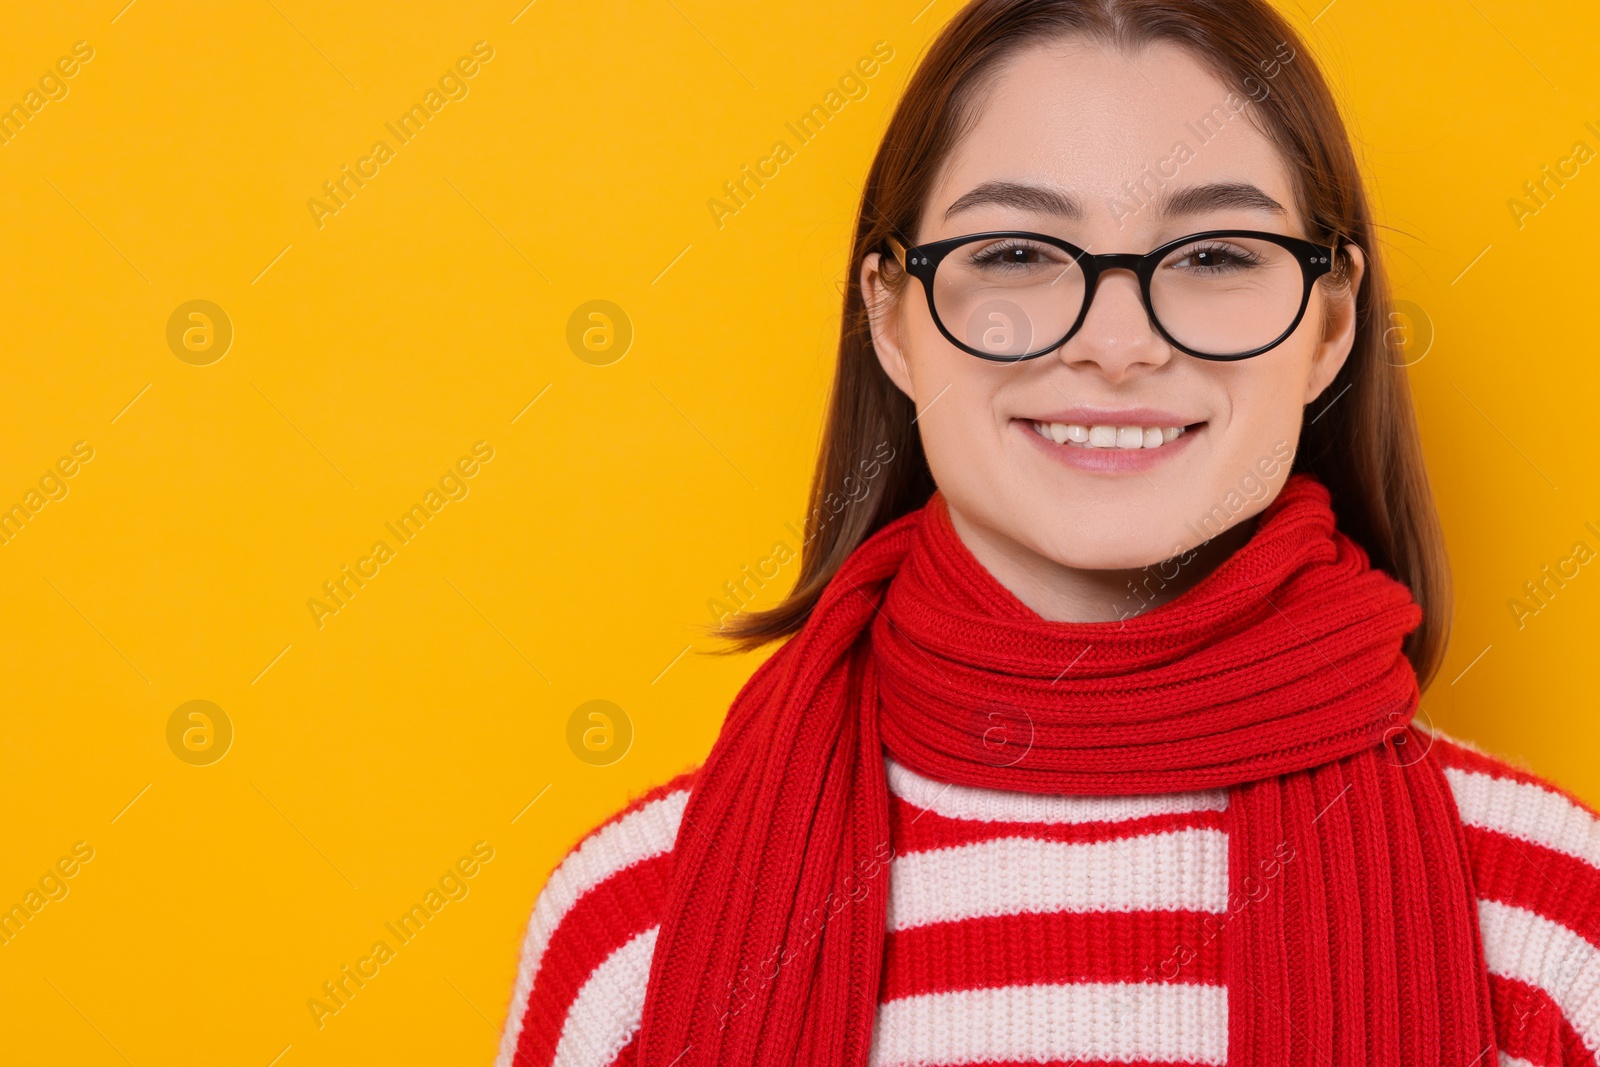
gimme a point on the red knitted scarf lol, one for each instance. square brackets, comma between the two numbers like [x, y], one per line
[1350, 933]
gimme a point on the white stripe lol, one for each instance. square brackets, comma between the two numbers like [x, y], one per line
[1526, 811]
[1508, 1060]
[607, 1010]
[1181, 869]
[999, 805]
[633, 838]
[1120, 1021]
[1521, 944]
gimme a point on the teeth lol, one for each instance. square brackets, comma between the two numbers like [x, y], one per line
[1108, 436]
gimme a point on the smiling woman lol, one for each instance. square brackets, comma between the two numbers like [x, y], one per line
[976, 811]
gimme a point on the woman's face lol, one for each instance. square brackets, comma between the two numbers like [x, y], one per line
[1098, 134]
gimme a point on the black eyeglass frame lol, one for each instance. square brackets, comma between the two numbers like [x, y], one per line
[922, 262]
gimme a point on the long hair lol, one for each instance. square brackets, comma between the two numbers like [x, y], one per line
[1362, 443]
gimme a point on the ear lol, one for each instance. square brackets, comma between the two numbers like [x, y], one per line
[1339, 325]
[883, 314]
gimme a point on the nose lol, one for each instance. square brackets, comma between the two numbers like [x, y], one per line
[1117, 335]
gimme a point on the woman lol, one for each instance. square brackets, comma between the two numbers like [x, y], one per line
[1094, 738]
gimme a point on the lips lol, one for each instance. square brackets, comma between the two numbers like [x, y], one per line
[1121, 428]
[1085, 415]
[1110, 441]
[1080, 436]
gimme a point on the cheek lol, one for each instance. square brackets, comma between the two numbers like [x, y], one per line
[1263, 419]
[956, 402]
[938, 369]
[1284, 385]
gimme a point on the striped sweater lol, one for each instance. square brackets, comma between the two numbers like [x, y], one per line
[1045, 929]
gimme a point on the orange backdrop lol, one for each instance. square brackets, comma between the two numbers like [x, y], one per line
[384, 388]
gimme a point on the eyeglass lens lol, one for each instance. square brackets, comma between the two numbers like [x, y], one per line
[1010, 296]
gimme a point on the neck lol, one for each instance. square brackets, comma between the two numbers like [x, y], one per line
[1061, 593]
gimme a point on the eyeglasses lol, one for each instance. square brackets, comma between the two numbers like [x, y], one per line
[1218, 294]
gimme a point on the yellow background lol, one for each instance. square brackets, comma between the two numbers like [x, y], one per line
[370, 353]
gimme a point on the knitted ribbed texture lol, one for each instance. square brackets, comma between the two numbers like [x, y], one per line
[1279, 675]
[1084, 931]
[1285, 657]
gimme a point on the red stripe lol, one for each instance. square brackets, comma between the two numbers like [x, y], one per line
[1553, 884]
[683, 780]
[1059, 947]
[1454, 755]
[1529, 1025]
[915, 829]
[1081, 1062]
[1560, 887]
[629, 1055]
[602, 921]
[1051, 948]
[1574, 1052]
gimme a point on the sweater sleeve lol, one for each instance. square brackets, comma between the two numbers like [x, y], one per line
[1535, 855]
[585, 959]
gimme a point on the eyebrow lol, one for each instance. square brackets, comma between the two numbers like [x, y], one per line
[1199, 198]
[1049, 201]
[1040, 198]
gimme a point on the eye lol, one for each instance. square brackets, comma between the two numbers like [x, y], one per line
[1007, 253]
[1213, 258]
[1010, 254]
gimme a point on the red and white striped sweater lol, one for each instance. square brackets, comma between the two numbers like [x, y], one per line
[1069, 930]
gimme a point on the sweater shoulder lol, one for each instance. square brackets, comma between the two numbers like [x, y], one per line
[1534, 851]
[1475, 773]
[586, 953]
[1506, 806]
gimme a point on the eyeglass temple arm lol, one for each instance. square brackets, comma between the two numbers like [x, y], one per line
[898, 247]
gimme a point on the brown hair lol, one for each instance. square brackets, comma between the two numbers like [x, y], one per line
[1363, 445]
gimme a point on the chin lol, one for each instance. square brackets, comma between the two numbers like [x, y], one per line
[1096, 548]
[1115, 556]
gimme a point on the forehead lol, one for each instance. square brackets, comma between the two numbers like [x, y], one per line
[1098, 124]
